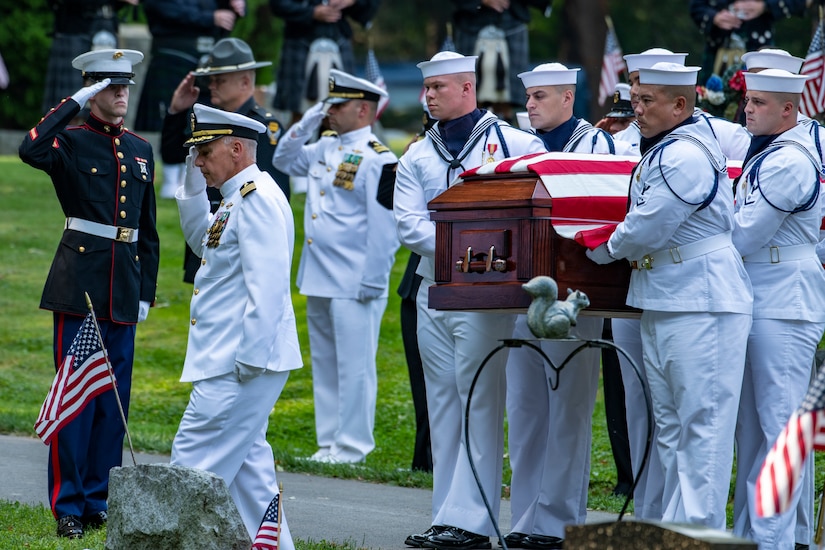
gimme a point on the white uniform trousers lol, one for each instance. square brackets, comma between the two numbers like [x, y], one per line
[223, 431]
[343, 340]
[647, 496]
[694, 363]
[777, 375]
[453, 344]
[550, 431]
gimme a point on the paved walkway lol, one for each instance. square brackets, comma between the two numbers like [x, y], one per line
[368, 515]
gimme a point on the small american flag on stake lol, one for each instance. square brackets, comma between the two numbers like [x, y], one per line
[813, 95]
[374, 75]
[269, 533]
[612, 64]
[82, 376]
[805, 431]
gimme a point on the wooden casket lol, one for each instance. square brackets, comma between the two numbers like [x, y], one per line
[504, 223]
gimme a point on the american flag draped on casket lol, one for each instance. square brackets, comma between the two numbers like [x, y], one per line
[502, 223]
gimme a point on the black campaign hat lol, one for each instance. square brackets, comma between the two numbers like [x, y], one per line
[230, 55]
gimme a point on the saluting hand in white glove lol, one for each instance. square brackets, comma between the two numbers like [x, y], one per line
[84, 94]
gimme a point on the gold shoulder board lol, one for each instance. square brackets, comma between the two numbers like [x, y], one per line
[379, 147]
[247, 188]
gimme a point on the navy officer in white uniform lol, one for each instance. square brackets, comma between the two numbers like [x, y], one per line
[692, 288]
[243, 339]
[454, 343]
[548, 489]
[345, 262]
[778, 215]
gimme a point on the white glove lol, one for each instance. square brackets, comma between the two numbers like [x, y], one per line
[367, 292]
[84, 94]
[143, 311]
[247, 372]
[600, 254]
[193, 181]
[312, 119]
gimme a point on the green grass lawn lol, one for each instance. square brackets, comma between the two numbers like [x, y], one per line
[29, 233]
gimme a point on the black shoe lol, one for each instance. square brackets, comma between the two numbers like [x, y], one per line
[514, 540]
[95, 521]
[69, 527]
[417, 540]
[454, 537]
[542, 542]
[800, 546]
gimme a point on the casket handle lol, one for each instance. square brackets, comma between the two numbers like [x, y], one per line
[492, 263]
[465, 265]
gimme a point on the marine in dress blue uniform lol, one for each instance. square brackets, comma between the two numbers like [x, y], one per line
[346, 260]
[103, 176]
[692, 288]
[778, 215]
[453, 343]
[549, 490]
[243, 339]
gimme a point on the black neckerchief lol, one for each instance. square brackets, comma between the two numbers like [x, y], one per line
[758, 144]
[456, 132]
[645, 144]
[557, 138]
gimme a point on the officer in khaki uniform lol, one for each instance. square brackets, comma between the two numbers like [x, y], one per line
[346, 260]
[242, 340]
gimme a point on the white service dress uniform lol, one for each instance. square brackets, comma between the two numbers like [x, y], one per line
[778, 216]
[241, 310]
[550, 431]
[696, 316]
[734, 141]
[453, 344]
[349, 247]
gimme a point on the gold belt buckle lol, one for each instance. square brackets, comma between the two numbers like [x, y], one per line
[645, 263]
[124, 234]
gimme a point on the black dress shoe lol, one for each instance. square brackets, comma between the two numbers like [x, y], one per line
[542, 542]
[417, 540]
[514, 540]
[455, 538]
[800, 546]
[96, 520]
[69, 527]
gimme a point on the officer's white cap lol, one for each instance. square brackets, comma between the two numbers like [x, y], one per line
[549, 74]
[773, 58]
[110, 63]
[666, 73]
[775, 80]
[447, 63]
[648, 58]
[209, 124]
[343, 87]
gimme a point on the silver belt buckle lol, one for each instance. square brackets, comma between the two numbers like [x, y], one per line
[675, 255]
[124, 234]
[774, 251]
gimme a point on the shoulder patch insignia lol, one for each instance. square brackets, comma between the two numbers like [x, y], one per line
[329, 133]
[379, 147]
[247, 188]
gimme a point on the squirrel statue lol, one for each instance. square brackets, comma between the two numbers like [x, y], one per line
[548, 317]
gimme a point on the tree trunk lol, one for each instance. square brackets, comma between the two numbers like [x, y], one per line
[582, 43]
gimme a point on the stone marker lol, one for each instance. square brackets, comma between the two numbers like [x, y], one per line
[154, 506]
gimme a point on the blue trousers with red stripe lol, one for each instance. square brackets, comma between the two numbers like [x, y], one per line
[83, 452]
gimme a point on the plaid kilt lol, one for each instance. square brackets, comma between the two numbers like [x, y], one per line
[519, 50]
[166, 69]
[290, 88]
[62, 80]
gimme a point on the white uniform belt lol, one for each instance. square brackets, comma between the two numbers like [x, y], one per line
[120, 234]
[679, 254]
[777, 254]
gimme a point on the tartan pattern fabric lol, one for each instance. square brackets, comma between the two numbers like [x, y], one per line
[62, 80]
[518, 47]
[167, 68]
[291, 82]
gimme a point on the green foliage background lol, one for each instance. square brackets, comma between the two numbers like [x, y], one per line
[401, 31]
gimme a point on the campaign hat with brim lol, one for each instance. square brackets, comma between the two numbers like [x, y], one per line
[343, 87]
[111, 63]
[209, 124]
[230, 55]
